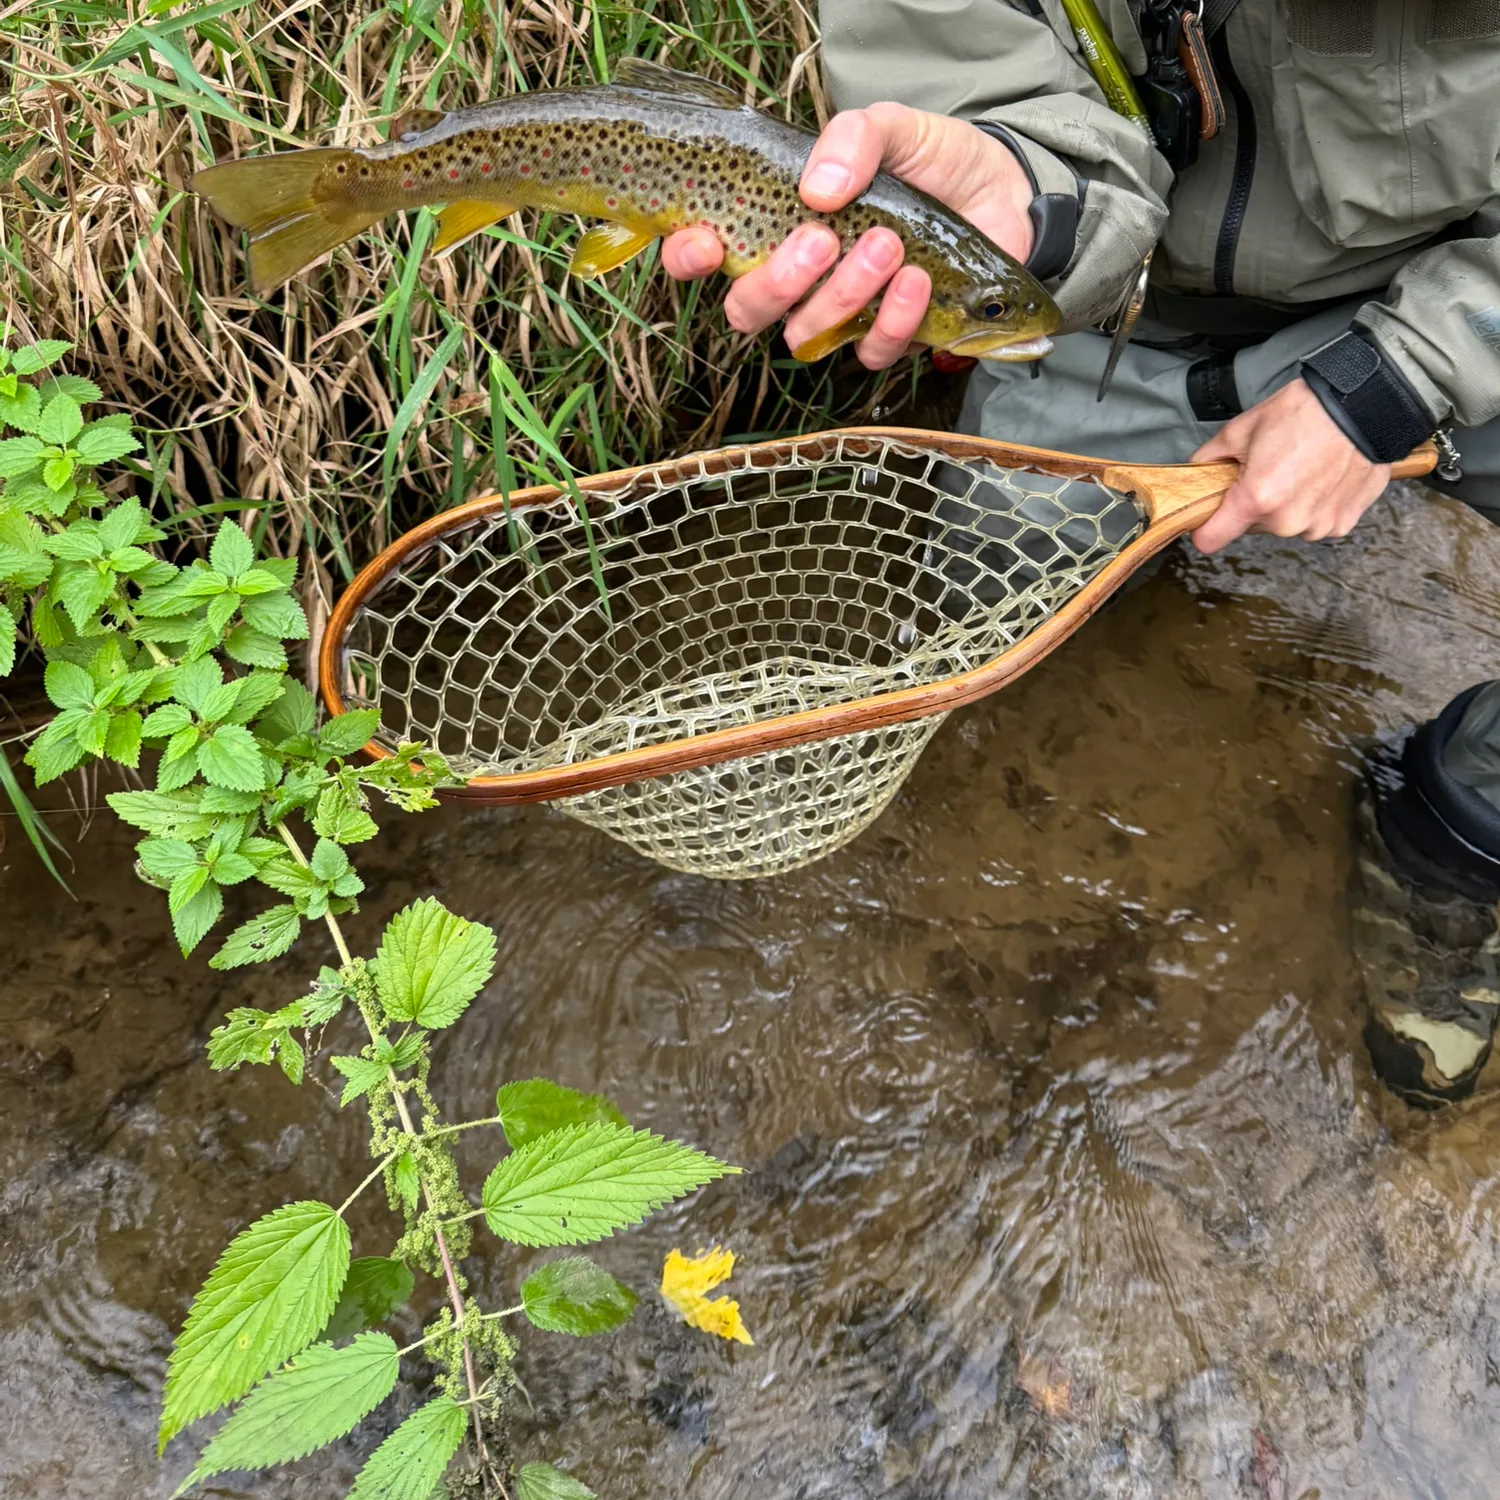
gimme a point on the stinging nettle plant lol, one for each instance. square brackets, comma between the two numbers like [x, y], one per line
[143, 654]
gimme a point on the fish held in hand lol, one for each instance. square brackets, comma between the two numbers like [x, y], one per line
[655, 152]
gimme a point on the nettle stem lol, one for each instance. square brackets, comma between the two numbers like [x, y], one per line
[455, 1297]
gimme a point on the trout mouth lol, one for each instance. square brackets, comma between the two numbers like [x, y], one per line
[990, 343]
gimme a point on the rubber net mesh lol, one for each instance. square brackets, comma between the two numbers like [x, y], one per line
[841, 569]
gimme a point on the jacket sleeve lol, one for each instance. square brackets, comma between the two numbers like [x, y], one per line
[1003, 63]
[1439, 324]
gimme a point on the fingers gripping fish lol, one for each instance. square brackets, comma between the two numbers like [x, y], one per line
[655, 152]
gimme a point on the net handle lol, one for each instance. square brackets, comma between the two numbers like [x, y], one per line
[1176, 498]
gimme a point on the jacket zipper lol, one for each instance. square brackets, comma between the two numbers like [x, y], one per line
[1244, 168]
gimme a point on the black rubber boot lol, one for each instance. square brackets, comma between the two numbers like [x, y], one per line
[1426, 884]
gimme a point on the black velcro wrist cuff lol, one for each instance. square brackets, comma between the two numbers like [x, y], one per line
[1054, 216]
[1370, 399]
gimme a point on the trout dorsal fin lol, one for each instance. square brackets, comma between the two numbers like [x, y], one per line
[647, 77]
[414, 122]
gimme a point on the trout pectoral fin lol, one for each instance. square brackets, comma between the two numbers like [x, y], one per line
[821, 345]
[461, 221]
[606, 246]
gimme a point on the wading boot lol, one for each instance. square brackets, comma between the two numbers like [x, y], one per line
[1425, 887]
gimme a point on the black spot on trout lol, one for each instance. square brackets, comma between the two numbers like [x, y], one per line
[655, 152]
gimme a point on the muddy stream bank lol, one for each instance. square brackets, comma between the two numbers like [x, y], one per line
[1067, 1175]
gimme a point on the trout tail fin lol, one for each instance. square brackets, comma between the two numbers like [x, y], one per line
[292, 204]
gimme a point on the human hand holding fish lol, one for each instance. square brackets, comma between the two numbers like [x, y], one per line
[659, 151]
[971, 172]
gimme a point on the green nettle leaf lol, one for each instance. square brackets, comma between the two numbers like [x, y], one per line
[231, 758]
[57, 472]
[326, 999]
[535, 1106]
[69, 685]
[408, 1180]
[349, 732]
[256, 693]
[373, 1290]
[98, 444]
[575, 1296]
[262, 938]
[21, 408]
[81, 591]
[79, 543]
[328, 862]
[37, 356]
[292, 1058]
[122, 526]
[243, 644]
[543, 1482]
[20, 456]
[266, 1299]
[164, 813]
[277, 616]
[220, 611]
[194, 681]
[411, 1461]
[339, 818]
[80, 389]
[288, 877]
[294, 712]
[363, 1075]
[8, 642]
[244, 1037]
[231, 869]
[166, 859]
[197, 916]
[123, 742]
[219, 799]
[94, 730]
[314, 1400]
[169, 719]
[56, 750]
[62, 421]
[407, 1053]
[584, 1182]
[232, 552]
[431, 964]
[219, 702]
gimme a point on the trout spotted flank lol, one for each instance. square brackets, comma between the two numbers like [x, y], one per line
[656, 152]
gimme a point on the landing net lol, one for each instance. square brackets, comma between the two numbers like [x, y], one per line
[740, 589]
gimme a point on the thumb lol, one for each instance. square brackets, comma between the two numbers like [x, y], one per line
[843, 162]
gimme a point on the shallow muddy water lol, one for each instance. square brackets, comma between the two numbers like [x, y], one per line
[1068, 1177]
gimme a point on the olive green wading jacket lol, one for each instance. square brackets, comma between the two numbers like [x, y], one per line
[1361, 157]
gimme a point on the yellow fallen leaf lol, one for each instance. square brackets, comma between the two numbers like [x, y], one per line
[684, 1282]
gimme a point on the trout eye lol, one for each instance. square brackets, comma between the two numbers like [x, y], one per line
[995, 309]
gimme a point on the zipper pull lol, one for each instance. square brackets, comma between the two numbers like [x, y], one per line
[1450, 462]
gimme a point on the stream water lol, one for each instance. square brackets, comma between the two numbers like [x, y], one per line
[1067, 1174]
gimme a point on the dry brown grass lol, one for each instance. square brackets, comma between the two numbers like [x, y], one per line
[287, 408]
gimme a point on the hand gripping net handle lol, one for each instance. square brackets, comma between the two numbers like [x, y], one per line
[787, 624]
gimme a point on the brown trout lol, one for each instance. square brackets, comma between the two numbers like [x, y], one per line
[655, 152]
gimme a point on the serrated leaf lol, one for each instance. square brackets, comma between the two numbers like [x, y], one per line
[575, 1296]
[242, 1037]
[232, 552]
[266, 1299]
[220, 799]
[262, 938]
[292, 1058]
[22, 408]
[121, 526]
[79, 543]
[373, 1290]
[18, 456]
[166, 859]
[411, 1461]
[243, 644]
[57, 472]
[194, 681]
[256, 582]
[685, 1284]
[68, 685]
[431, 964]
[93, 730]
[61, 421]
[232, 869]
[25, 568]
[56, 750]
[81, 592]
[328, 861]
[293, 713]
[543, 1482]
[314, 1400]
[408, 1180]
[81, 390]
[339, 819]
[231, 758]
[533, 1107]
[7, 642]
[196, 918]
[584, 1182]
[219, 701]
[257, 693]
[167, 720]
[99, 444]
[164, 813]
[123, 742]
[326, 1000]
[220, 612]
[277, 616]
[362, 1075]
[32, 358]
[288, 877]
[344, 734]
